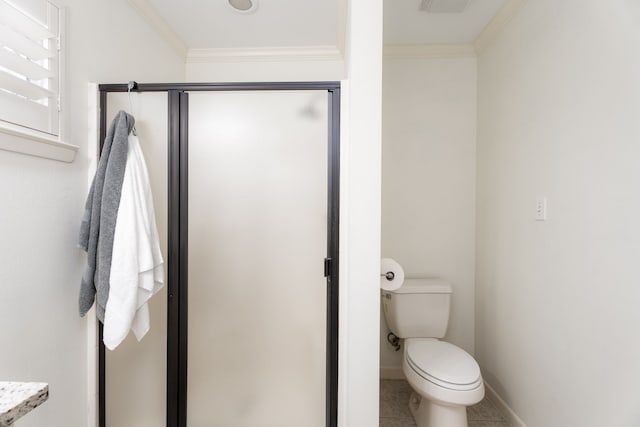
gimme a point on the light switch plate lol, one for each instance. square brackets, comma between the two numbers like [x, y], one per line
[541, 209]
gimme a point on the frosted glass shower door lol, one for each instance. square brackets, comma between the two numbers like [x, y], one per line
[257, 239]
[136, 371]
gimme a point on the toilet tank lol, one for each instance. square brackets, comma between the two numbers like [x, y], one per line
[419, 308]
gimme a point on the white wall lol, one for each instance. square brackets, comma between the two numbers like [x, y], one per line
[266, 71]
[557, 301]
[43, 338]
[428, 185]
[361, 123]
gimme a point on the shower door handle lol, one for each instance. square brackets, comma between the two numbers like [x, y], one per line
[328, 267]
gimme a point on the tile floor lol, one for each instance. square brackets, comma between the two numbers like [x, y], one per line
[394, 408]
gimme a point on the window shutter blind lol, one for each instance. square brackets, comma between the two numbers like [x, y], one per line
[30, 68]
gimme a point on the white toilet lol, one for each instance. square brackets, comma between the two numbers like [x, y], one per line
[445, 378]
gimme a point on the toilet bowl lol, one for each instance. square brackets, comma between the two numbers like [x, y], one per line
[444, 377]
[445, 380]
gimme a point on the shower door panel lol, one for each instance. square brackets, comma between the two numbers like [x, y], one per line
[257, 215]
[136, 371]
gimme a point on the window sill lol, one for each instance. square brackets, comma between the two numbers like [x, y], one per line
[20, 140]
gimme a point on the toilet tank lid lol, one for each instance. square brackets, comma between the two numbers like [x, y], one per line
[424, 285]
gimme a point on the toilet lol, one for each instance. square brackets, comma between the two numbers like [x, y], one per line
[445, 379]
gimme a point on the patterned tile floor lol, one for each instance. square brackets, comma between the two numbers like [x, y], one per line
[394, 408]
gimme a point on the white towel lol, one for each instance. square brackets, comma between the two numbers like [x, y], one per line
[136, 265]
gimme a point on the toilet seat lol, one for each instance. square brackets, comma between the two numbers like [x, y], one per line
[443, 364]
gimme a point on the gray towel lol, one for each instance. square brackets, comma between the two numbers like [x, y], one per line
[101, 211]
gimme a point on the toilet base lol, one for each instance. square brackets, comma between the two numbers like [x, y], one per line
[428, 413]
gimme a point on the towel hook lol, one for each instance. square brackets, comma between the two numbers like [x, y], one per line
[132, 85]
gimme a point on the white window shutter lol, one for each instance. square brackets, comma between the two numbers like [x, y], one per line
[30, 68]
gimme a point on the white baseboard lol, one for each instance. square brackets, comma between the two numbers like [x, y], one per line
[508, 413]
[391, 373]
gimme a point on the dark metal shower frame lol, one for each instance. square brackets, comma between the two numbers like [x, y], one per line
[177, 297]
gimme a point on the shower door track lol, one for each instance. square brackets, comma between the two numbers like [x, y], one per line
[177, 309]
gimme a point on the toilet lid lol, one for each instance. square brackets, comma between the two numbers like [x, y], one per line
[443, 364]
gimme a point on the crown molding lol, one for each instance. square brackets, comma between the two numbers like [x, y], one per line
[417, 51]
[497, 24]
[268, 54]
[161, 26]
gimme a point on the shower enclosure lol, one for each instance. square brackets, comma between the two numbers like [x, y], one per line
[245, 183]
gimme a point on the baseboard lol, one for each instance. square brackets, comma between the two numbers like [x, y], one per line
[391, 373]
[512, 418]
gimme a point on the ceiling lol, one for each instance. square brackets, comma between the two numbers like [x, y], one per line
[212, 24]
[275, 23]
[404, 23]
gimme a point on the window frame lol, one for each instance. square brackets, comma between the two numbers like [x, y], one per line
[40, 143]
